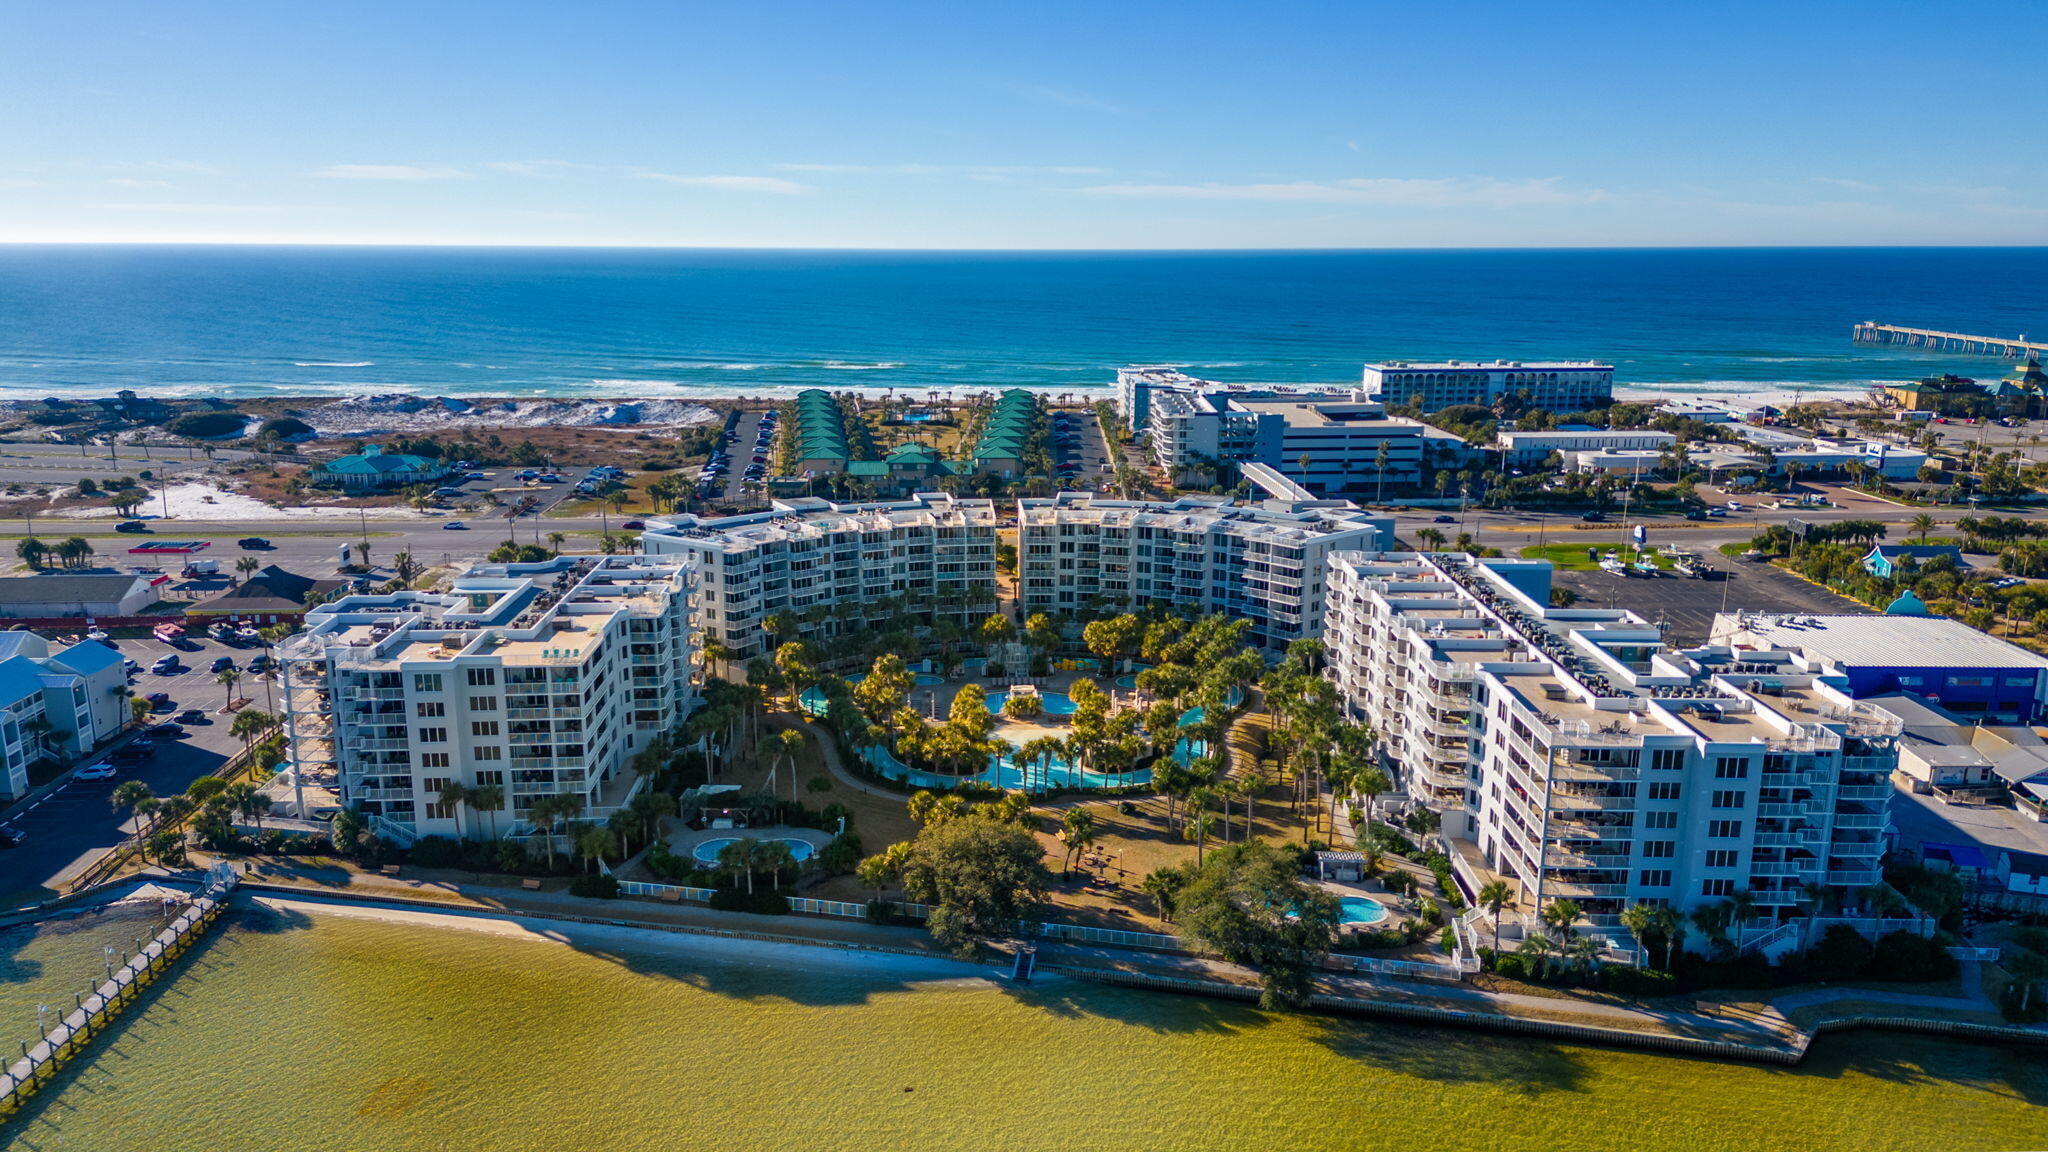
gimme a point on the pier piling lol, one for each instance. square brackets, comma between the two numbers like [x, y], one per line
[1871, 332]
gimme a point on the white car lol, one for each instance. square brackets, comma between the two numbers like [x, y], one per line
[99, 771]
[454, 526]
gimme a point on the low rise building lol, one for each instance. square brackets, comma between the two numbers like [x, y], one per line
[62, 595]
[1946, 661]
[1264, 562]
[833, 566]
[1526, 448]
[374, 469]
[1553, 385]
[55, 706]
[534, 680]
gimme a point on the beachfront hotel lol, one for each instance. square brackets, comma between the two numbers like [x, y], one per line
[540, 679]
[1556, 385]
[1325, 440]
[1574, 754]
[1264, 562]
[822, 562]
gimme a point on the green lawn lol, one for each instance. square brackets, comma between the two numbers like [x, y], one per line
[1572, 557]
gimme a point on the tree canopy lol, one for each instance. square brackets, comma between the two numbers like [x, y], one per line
[1247, 902]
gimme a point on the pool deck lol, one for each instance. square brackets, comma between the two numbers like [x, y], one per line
[682, 840]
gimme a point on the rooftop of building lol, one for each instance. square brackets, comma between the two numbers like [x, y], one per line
[1279, 519]
[374, 461]
[1875, 641]
[1492, 365]
[810, 517]
[67, 587]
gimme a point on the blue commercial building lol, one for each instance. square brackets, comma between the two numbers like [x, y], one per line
[1905, 650]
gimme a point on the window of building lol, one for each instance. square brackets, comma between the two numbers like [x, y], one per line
[483, 703]
[493, 777]
[429, 709]
[1660, 849]
[482, 677]
[483, 728]
[489, 752]
[433, 759]
[1664, 791]
[1730, 799]
[1660, 878]
[1660, 819]
[1667, 759]
[433, 735]
[426, 681]
[1722, 858]
[1724, 829]
[1731, 768]
[1717, 887]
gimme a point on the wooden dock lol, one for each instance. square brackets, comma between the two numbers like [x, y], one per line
[1871, 332]
[92, 1013]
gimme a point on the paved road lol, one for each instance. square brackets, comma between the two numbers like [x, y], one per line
[69, 824]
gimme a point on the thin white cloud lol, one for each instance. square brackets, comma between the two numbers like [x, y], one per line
[199, 209]
[949, 169]
[773, 185]
[399, 172]
[1843, 182]
[12, 182]
[1064, 98]
[539, 167]
[1456, 192]
[133, 182]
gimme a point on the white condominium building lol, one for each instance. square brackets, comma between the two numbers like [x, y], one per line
[540, 679]
[1264, 562]
[1560, 386]
[1326, 440]
[817, 560]
[1572, 753]
[1535, 447]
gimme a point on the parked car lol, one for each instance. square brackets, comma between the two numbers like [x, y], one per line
[1594, 517]
[99, 771]
[165, 731]
[1444, 520]
[159, 701]
[221, 664]
[193, 716]
[261, 662]
[165, 664]
[454, 526]
[132, 754]
[248, 543]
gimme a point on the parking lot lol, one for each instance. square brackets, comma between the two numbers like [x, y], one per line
[1079, 454]
[66, 827]
[736, 454]
[1686, 606]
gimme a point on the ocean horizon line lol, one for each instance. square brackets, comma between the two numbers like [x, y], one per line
[646, 246]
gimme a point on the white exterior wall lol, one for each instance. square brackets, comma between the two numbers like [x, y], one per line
[1560, 386]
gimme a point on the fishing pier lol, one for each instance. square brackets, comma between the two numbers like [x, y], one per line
[1871, 332]
[93, 1012]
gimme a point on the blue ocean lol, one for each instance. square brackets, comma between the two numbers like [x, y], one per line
[242, 321]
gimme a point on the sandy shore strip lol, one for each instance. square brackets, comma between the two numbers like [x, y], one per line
[903, 967]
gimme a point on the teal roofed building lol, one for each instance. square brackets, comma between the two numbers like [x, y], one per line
[1885, 560]
[374, 469]
[907, 468]
[1907, 605]
[1007, 435]
[819, 429]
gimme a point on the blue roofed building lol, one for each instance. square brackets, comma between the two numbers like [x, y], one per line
[374, 469]
[1885, 560]
[1961, 670]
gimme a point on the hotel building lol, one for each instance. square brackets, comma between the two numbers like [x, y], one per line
[1571, 753]
[1327, 441]
[1264, 562]
[820, 561]
[1559, 386]
[541, 679]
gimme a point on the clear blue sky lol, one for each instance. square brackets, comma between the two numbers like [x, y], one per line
[1040, 125]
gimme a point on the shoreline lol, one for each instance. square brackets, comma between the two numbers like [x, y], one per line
[1730, 1038]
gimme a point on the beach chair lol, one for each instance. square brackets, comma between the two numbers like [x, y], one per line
[530, 885]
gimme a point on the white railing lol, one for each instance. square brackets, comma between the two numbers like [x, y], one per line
[643, 888]
[1112, 936]
[1409, 969]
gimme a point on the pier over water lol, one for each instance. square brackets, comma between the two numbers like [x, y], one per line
[1871, 332]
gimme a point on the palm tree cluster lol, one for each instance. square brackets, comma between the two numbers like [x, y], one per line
[70, 552]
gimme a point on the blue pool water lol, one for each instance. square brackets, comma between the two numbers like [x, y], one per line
[1056, 703]
[707, 852]
[1360, 910]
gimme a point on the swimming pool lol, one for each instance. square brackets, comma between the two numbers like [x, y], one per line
[813, 699]
[1056, 703]
[1360, 910]
[706, 853]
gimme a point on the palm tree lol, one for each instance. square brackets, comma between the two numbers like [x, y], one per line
[544, 813]
[556, 540]
[1639, 919]
[595, 841]
[1197, 828]
[1494, 896]
[774, 855]
[738, 857]
[228, 678]
[135, 796]
[1538, 948]
[1562, 915]
[248, 724]
[1370, 781]
[489, 798]
[1666, 922]
[1079, 825]
[247, 565]
[453, 796]
[245, 800]
[1923, 524]
[786, 744]
[32, 551]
